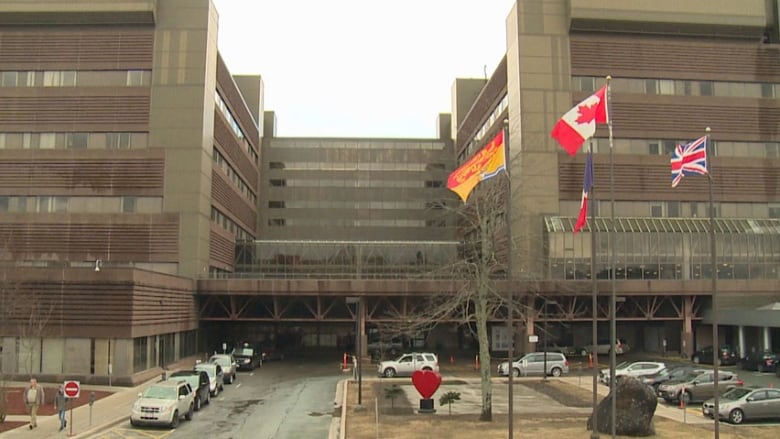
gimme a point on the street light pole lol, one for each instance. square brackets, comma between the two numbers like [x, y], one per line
[544, 372]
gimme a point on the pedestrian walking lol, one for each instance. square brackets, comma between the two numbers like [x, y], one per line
[61, 403]
[33, 398]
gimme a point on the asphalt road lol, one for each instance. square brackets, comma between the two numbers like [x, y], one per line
[292, 398]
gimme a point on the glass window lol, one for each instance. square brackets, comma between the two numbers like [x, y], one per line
[129, 204]
[3, 204]
[706, 88]
[8, 79]
[77, 140]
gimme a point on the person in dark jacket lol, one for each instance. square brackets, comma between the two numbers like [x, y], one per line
[61, 403]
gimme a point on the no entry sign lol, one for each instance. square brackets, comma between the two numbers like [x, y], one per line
[72, 389]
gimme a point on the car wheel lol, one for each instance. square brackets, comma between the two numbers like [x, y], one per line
[133, 423]
[175, 420]
[228, 379]
[197, 403]
[389, 372]
[215, 392]
[696, 359]
[188, 415]
[736, 416]
[427, 368]
[515, 372]
[556, 372]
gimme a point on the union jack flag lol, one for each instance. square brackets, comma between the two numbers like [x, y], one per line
[689, 159]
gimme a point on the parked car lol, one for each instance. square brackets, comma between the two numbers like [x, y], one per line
[727, 356]
[199, 382]
[740, 404]
[216, 376]
[270, 351]
[669, 374]
[229, 366]
[634, 369]
[164, 403]
[247, 357]
[407, 364]
[761, 361]
[698, 387]
[604, 347]
[533, 364]
[569, 351]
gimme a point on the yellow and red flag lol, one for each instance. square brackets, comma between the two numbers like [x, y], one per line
[486, 163]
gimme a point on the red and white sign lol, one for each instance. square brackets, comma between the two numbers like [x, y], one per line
[72, 389]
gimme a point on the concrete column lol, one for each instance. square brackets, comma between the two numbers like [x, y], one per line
[767, 338]
[741, 341]
[525, 345]
[686, 344]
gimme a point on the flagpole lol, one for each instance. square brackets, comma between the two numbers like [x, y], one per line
[714, 263]
[612, 329]
[510, 305]
[594, 332]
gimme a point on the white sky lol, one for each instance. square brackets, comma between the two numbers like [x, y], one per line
[361, 68]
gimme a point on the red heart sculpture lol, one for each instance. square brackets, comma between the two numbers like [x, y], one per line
[426, 382]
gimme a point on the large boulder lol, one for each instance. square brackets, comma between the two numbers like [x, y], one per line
[634, 411]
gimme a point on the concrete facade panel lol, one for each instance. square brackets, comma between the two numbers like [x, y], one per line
[724, 12]
[53, 354]
[78, 354]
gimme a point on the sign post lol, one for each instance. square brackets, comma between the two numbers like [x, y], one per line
[72, 390]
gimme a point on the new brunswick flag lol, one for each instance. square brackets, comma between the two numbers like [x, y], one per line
[486, 163]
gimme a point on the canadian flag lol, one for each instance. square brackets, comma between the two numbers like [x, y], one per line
[579, 123]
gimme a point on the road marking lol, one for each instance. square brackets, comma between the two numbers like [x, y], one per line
[238, 385]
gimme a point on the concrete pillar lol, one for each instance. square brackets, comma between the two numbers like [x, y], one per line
[767, 338]
[686, 343]
[741, 341]
[525, 345]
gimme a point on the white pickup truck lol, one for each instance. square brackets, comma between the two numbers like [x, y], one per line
[407, 364]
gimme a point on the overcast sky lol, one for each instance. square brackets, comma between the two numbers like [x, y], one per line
[361, 68]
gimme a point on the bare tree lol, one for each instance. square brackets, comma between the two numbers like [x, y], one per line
[482, 261]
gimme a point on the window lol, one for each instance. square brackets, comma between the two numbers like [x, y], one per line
[706, 88]
[277, 182]
[772, 150]
[656, 210]
[3, 204]
[8, 79]
[129, 204]
[767, 90]
[276, 204]
[135, 78]
[77, 140]
[117, 140]
[774, 210]
[276, 165]
[673, 208]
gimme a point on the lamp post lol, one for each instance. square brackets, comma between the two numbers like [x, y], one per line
[546, 335]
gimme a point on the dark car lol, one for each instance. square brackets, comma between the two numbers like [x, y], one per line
[669, 374]
[247, 357]
[199, 381]
[728, 356]
[762, 361]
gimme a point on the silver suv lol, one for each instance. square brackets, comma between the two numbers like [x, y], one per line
[229, 366]
[407, 364]
[533, 364]
[164, 403]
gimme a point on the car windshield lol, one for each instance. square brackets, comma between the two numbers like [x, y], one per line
[736, 393]
[211, 371]
[160, 392]
[248, 352]
[219, 360]
[193, 380]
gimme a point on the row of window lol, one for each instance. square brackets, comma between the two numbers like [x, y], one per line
[678, 87]
[356, 205]
[666, 147]
[573, 270]
[491, 120]
[348, 183]
[354, 144]
[219, 159]
[355, 166]
[49, 204]
[76, 78]
[349, 222]
[228, 224]
[675, 209]
[234, 125]
[81, 140]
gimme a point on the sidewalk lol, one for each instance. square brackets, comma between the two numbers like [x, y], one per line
[106, 412]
